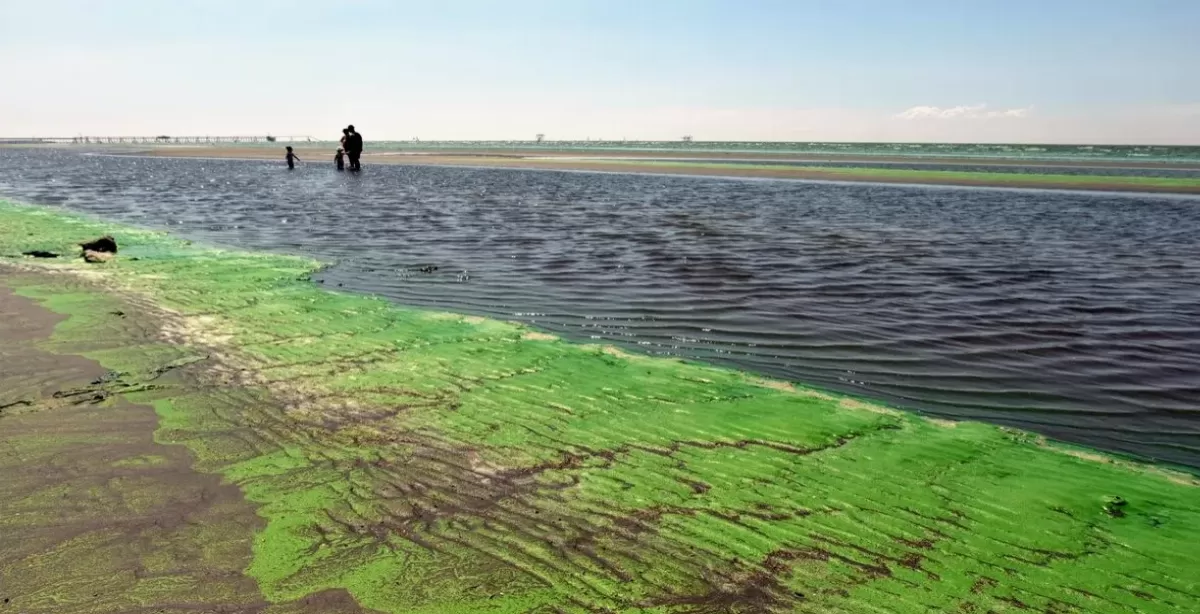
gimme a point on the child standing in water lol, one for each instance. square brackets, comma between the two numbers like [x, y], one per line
[291, 158]
[340, 160]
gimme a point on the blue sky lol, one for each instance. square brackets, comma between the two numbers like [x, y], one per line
[967, 70]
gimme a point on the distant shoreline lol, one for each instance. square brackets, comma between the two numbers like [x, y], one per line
[392, 148]
[739, 164]
[711, 165]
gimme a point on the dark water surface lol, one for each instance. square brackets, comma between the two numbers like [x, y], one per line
[1076, 315]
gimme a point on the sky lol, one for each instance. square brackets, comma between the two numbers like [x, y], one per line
[1062, 71]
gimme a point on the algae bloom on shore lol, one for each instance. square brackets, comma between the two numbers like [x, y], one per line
[187, 428]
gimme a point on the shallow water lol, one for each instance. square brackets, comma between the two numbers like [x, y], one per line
[1142, 153]
[1073, 314]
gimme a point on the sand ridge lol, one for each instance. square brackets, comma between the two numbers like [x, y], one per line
[717, 165]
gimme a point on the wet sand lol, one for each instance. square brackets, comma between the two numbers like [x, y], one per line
[63, 430]
[95, 515]
[710, 164]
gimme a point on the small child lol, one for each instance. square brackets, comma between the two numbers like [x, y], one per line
[291, 158]
[340, 160]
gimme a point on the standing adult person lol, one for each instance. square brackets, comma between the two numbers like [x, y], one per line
[354, 148]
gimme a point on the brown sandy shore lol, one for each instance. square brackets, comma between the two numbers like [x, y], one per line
[320, 153]
[95, 516]
[710, 166]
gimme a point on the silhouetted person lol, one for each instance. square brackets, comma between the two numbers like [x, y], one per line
[345, 137]
[340, 160]
[291, 158]
[354, 147]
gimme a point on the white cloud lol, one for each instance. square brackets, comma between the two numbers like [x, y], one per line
[976, 111]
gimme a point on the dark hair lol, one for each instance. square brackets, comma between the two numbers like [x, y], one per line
[350, 127]
[345, 131]
[289, 147]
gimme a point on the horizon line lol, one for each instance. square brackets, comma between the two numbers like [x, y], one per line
[10, 139]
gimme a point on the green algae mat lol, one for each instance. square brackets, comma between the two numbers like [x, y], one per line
[428, 462]
[986, 178]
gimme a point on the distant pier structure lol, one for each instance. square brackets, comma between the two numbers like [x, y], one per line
[159, 140]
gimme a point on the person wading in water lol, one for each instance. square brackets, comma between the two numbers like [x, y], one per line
[354, 147]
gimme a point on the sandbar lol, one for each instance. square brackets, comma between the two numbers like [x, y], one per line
[721, 165]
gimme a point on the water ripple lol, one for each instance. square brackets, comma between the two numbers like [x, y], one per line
[1077, 315]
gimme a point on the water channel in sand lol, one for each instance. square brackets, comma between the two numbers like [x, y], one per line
[1073, 314]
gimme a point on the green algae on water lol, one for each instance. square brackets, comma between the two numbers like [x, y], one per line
[1131, 182]
[429, 462]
